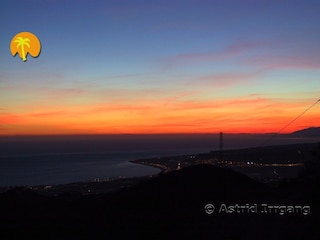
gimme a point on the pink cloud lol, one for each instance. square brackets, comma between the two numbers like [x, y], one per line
[62, 92]
[223, 79]
[285, 62]
[227, 53]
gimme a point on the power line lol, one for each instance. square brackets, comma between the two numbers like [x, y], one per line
[292, 121]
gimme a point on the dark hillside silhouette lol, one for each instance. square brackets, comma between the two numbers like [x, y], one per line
[308, 132]
[168, 206]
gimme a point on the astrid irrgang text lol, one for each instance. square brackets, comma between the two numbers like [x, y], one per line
[264, 208]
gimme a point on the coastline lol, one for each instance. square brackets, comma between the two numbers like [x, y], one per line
[81, 188]
[162, 168]
[238, 157]
[267, 164]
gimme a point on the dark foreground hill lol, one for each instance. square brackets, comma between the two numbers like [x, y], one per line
[170, 206]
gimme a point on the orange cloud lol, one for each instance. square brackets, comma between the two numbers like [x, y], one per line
[253, 113]
[47, 114]
[11, 119]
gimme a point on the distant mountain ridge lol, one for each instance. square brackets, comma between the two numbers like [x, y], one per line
[307, 132]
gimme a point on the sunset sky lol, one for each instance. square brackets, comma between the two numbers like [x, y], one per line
[160, 66]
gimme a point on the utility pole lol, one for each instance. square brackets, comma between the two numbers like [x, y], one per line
[221, 145]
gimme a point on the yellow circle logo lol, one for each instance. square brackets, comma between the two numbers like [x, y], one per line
[24, 43]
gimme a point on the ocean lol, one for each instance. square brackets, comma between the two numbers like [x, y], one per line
[60, 168]
[50, 160]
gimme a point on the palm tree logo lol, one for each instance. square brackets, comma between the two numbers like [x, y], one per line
[21, 43]
[25, 43]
